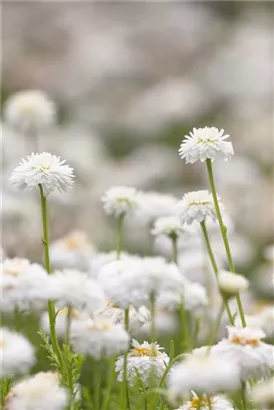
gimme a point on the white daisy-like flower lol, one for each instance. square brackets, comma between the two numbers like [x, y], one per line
[119, 200]
[103, 258]
[76, 289]
[17, 354]
[73, 251]
[29, 111]
[244, 347]
[231, 284]
[153, 205]
[41, 391]
[98, 338]
[146, 360]
[43, 169]
[197, 206]
[205, 143]
[203, 373]
[25, 285]
[263, 394]
[169, 226]
[61, 320]
[201, 403]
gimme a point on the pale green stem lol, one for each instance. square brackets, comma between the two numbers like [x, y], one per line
[120, 235]
[153, 317]
[51, 307]
[110, 382]
[216, 326]
[215, 268]
[125, 381]
[98, 381]
[243, 391]
[68, 324]
[184, 329]
[224, 234]
[174, 239]
[209, 403]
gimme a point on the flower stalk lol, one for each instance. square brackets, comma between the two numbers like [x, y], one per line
[120, 235]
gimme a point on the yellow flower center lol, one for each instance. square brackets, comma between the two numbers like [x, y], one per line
[207, 139]
[73, 312]
[197, 402]
[111, 304]
[73, 242]
[193, 203]
[244, 341]
[140, 351]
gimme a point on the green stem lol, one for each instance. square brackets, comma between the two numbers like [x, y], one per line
[98, 381]
[68, 324]
[174, 239]
[209, 403]
[224, 234]
[110, 382]
[120, 235]
[243, 391]
[215, 267]
[51, 307]
[125, 381]
[153, 317]
[184, 329]
[215, 329]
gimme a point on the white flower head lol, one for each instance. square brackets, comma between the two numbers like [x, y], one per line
[17, 354]
[168, 225]
[61, 320]
[197, 206]
[201, 403]
[153, 205]
[205, 143]
[146, 360]
[230, 284]
[43, 169]
[263, 394]
[76, 289]
[244, 347]
[119, 200]
[203, 373]
[98, 338]
[29, 111]
[41, 391]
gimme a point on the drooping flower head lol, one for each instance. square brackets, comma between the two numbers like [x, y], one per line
[29, 111]
[196, 206]
[205, 143]
[45, 169]
[119, 200]
[231, 284]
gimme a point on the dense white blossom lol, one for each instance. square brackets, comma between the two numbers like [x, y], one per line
[119, 200]
[231, 284]
[153, 205]
[205, 143]
[168, 225]
[43, 169]
[61, 320]
[202, 403]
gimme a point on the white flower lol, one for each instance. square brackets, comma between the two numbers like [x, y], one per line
[103, 258]
[167, 225]
[263, 394]
[119, 200]
[145, 360]
[165, 322]
[98, 337]
[29, 111]
[153, 205]
[75, 288]
[17, 354]
[25, 285]
[231, 284]
[201, 403]
[72, 251]
[244, 347]
[45, 169]
[196, 206]
[205, 143]
[61, 320]
[204, 374]
[41, 391]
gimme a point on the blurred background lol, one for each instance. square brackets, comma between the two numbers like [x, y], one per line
[129, 81]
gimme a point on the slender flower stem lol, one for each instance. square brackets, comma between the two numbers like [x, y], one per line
[98, 381]
[209, 403]
[51, 307]
[215, 267]
[120, 235]
[184, 328]
[153, 316]
[68, 324]
[110, 382]
[224, 234]
[243, 391]
[215, 329]
[174, 239]
[125, 381]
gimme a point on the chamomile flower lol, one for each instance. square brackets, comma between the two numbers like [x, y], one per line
[43, 169]
[168, 225]
[205, 143]
[197, 206]
[41, 391]
[146, 360]
[17, 354]
[98, 338]
[263, 394]
[230, 284]
[244, 347]
[119, 200]
[29, 111]
[207, 403]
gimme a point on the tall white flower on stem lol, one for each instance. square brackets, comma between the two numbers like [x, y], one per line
[41, 391]
[17, 354]
[146, 360]
[46, 170]
[205, 143]
[119, 200]
[29, 111]
[168, 226]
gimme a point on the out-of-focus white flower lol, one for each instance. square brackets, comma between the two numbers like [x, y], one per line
[202, 373]
[145, 360]
[72, 251]
[196, 206]
[168, 225]
[25, 285]
[263, 394]
[231, 284]
[153, 205]
[61, 320]
[119, 200]
[166, 322]
[101, 259]
[29, 111]
[98, 337]
[201, 403]
[45, 169]
[76, 289]
[264, 319]
[205, 143]
[244, 347]
[17, 354]
[41, 391]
